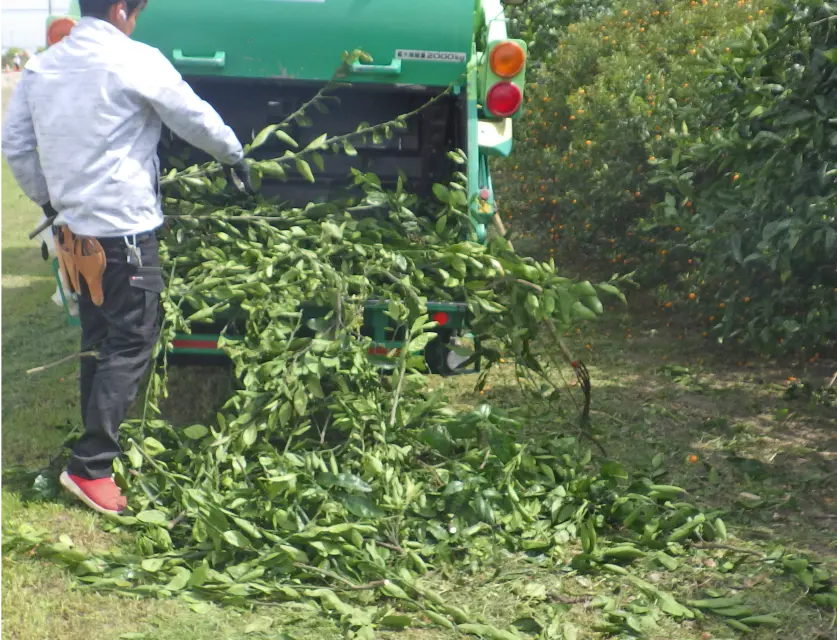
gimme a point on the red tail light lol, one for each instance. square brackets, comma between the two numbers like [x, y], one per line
[441, 318]
[58, 30]
[504, 99]
[382, 351]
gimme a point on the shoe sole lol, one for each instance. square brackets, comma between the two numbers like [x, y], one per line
[73, 488]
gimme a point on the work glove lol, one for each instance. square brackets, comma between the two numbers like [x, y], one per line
[241, 170]
[49, 210]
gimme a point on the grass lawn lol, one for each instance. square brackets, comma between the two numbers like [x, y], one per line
[721, 423]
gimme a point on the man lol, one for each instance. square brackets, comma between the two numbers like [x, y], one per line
[81, 135]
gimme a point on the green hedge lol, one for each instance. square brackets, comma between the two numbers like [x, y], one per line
[691, 142]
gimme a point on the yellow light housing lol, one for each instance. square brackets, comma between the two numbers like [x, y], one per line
[507, 59]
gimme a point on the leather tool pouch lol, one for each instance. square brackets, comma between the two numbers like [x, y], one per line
[64, 252]
[83, 257]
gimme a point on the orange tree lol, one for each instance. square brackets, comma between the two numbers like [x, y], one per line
[604, 104]
[763, 186]
[649, 143]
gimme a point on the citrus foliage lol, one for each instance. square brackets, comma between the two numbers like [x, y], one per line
[690, 142]
[326, 481]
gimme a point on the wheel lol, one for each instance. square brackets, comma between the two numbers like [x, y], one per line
[448, 352]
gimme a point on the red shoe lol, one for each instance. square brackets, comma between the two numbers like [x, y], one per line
[101, 495]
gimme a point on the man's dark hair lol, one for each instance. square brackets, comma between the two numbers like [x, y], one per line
[100, 8]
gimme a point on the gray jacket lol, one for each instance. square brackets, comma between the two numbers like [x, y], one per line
[83, 125]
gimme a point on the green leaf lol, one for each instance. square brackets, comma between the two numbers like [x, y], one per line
[735, 245]
[249, 436]
[565, 303]
[317, 143]
[667, 561]
[441, 192]
[264, 134]
[441, 223]
[304, 169]
[528, 624]
[331, 230]
[153, 516]
[583, 312]
[200, 575]
[673, 608]
[396, 621]
[454, 487]
[284, 137]
[612, 290]
[135, 457]
[152, 565]
[300, 401]
[237, 539]
[830, 239]
[315, 388]
[420, 343]
[594, 304]
[613, 470]
[180, 579]
[196, 432]
[362, 507]
[584, 289]
[285, 412]
[153, 447]
[344, 480]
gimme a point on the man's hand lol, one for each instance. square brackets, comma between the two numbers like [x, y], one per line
[49, 217]
[241, 170]
[49, 210]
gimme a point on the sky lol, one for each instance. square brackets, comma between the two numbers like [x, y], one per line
[24, 22]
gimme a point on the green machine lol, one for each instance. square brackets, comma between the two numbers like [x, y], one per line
[257, 61]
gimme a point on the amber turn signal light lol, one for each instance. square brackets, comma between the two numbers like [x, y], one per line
[507, 59]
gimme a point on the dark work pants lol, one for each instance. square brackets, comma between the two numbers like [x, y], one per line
[123, 331]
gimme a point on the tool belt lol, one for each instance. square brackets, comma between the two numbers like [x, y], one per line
[81, 257]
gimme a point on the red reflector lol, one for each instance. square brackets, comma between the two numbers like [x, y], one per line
[504, 99]
[382, 351]
[441, 317]
[209, 345]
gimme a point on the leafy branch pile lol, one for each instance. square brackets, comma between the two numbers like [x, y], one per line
[329, 481]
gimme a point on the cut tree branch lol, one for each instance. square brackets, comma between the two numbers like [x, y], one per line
[75, 356]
